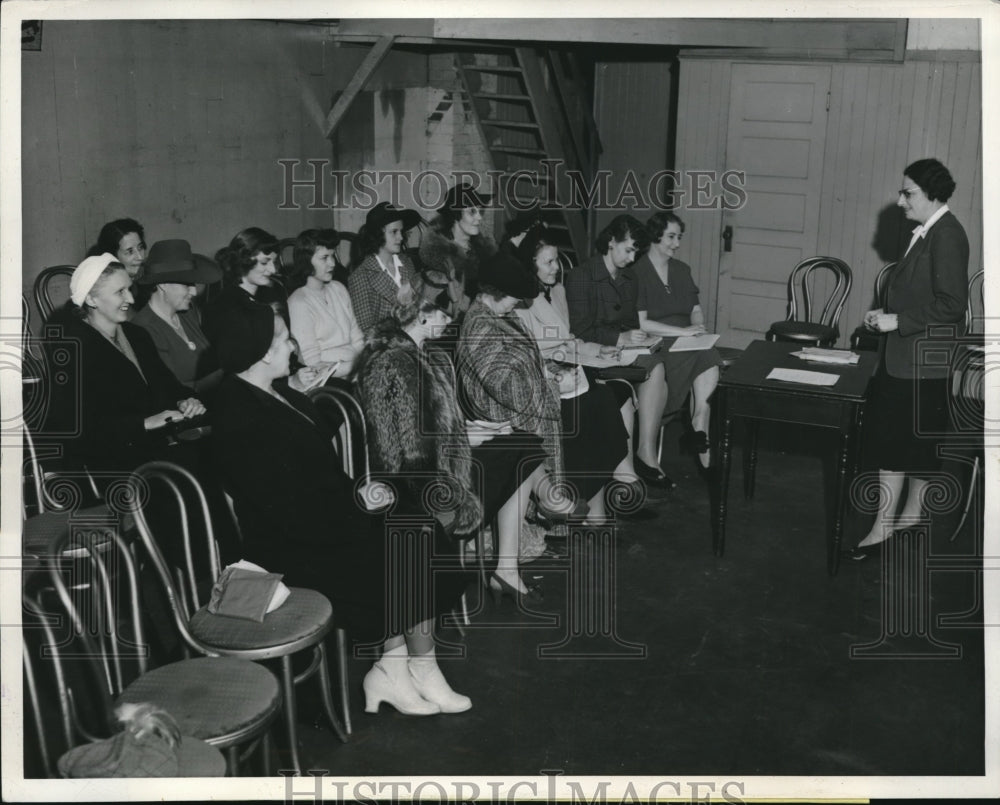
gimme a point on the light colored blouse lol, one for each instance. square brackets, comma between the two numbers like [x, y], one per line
[324, 326]
[548, 322]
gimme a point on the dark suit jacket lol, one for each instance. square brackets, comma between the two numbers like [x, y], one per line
[601, 308]
[928, 286]
[107, 399]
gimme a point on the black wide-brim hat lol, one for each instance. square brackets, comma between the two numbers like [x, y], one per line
[463, 196]
[173, 261]
[509, 275]
[384, 213]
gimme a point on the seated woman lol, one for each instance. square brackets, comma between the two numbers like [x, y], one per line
[601, 296]
[126, 240]
[418, 433]
[454, 247]
[120, 394]
[588, 408]
[174, 324]
[322, 318]
[299, 516]
[503, 380]
[667, 300]
[384, 267]
[248, 265]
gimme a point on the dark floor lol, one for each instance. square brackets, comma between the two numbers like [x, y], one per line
[736, 665]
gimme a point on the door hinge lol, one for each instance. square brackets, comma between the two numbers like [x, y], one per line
[828, 100]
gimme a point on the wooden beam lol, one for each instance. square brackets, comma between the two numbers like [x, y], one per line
[368, 66]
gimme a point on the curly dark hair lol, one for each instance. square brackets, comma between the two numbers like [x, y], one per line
[658, 223]
[932, 177]
[111, 235]
[620, 228]
[239, 256]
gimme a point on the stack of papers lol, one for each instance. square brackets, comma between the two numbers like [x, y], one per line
[803, 376]
[841, 356]
[693, 343]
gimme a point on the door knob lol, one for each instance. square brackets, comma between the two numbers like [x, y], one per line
[727, 239]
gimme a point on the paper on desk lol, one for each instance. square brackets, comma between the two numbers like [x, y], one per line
[694, 343]
[820, 355]
[803, 376]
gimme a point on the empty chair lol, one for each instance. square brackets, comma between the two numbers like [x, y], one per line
[800, 325]
[301, 623]
[862, 337]
[51, 289]
[225, 702]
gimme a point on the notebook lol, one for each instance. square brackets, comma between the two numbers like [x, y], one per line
[693, 343]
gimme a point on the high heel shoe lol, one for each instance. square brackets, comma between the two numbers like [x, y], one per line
[394, 685]
[694, 441]
[431, 685]
[860, 553]
[653, 476]
[578, 512]
[499, 588]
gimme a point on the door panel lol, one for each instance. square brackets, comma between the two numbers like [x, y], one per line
[776, 135]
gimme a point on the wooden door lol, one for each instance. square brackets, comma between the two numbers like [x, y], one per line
[776, 135]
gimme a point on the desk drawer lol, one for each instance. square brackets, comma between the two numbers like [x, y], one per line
[789, 407]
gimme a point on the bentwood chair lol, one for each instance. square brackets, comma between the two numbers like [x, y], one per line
[301, 623]
[799, 324]
[51, 288]
[862, 337]
[227, 703]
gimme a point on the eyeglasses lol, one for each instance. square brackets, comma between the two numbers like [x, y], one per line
[907, 193]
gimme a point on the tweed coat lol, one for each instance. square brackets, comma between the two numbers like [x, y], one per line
[373, 293]
[502, 378]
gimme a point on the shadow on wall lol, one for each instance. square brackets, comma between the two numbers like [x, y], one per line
[889, 233]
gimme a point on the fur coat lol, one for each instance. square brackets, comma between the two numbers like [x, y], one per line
[416, 432]
[447, 266]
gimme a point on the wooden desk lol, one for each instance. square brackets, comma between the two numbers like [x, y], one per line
[744, 392]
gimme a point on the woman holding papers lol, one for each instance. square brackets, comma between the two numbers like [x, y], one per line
[667, 299]
[909, 399]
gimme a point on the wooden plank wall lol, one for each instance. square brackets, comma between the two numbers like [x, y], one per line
[882, 117]
[179, 124]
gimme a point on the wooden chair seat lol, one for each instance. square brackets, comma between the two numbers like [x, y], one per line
[805, 331]
[305, 617]
[223, 701]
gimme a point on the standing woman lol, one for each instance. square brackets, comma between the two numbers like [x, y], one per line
[928, 286]
[667, 301]
[375, 283]
[121, 394]
[174, 324]
[454, 248]
[320, 310]
[601, 296]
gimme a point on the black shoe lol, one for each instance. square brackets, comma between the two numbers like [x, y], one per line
[694, 441]
[653, 476]
[859, 554]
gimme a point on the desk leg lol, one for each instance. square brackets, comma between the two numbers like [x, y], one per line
[847, 467]
[725, 436]
[750, 458]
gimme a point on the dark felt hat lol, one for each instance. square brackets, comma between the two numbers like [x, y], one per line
[173, 261]
[243, 334]
[506, 273]
[462, 196]
[384, 213]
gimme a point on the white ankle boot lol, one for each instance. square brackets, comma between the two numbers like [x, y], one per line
[431, 684]
[389, 681]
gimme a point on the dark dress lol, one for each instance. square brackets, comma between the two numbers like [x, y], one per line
[674, 309]
[101, 407]
[299, 517]
[907, 412]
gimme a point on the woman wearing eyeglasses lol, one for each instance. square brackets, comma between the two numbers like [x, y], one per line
[908, 406]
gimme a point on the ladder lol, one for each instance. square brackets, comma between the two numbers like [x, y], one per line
[533, 113]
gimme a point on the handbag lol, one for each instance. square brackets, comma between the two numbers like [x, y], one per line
[631, 373]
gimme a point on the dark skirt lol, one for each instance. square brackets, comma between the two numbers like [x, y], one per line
[681, 368]
[501, 465]
[594, 439]
[905, 420]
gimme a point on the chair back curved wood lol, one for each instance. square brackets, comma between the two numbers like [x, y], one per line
[51, 288]
[975, 309]
[343, 414]
[805, 321]
[224, 702]
[302, 622]
[862, 337]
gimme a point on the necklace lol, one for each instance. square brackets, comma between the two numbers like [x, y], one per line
[179, 329]
[664, 276]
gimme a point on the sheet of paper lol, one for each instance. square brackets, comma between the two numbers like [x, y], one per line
[693, 343]
[803, 376]
[819, 355]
